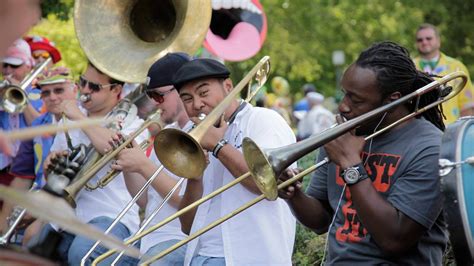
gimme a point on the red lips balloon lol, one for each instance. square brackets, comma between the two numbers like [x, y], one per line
[238, 29]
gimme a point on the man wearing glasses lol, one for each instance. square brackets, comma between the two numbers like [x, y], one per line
[138, 168]
[99, 207]
[56, 86]
[432, 61]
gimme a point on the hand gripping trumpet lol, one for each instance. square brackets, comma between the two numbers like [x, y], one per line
[184, 155]
[72, 190]
[266, 166]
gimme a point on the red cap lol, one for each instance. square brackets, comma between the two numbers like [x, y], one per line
[41, 43]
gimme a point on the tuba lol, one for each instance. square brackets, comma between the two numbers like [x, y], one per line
[139, 32]
[123, 38]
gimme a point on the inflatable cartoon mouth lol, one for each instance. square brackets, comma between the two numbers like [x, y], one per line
[238, 29]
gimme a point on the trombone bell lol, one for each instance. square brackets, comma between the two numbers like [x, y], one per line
[261, 167]
[174, 147]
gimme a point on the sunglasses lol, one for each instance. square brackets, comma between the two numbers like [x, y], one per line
[44, 55]
[6, 65]
[421, 39]
[94, 87]
[46, 94]
[158, 96]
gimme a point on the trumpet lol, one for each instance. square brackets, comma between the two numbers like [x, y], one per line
[14, 98]
[266, 166]
[72, 190]
[14, 220]
[111, 174]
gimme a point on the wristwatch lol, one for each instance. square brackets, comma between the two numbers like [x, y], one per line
[354, 174]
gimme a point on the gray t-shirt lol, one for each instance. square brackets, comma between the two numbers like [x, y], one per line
[403, 167]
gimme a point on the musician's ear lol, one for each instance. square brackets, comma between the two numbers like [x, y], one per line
[392, 97]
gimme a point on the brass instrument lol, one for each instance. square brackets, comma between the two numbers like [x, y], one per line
[73, 189]
[138, 32]
[14, 220]
[266, 167]
[181, 152]
[141, 31]
[14, 98]
[194, 151]
[31, 132]
[111, 174]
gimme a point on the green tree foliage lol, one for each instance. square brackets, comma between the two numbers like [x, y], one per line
[62, 8]
[302, 34]
[62, 34]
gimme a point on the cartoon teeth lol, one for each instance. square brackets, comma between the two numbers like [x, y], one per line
[242, 4]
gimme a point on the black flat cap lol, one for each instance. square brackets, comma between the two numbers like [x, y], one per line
[198, 69]
[161, 72]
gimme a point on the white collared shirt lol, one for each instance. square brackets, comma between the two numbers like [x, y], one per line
[171, 230]
[263, 234]
[110, 200]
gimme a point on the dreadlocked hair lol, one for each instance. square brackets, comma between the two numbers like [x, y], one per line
[395, 71]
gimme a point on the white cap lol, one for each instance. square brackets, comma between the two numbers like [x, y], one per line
[315, 97]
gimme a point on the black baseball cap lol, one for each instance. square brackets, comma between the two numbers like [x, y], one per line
[161, 72]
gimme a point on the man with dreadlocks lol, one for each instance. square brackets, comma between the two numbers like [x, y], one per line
[379, 200]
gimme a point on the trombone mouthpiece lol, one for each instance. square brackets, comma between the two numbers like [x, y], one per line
[84, 98]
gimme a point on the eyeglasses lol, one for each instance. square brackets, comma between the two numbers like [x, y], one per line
[94, 87]
[5, 65]
[46, 94]
[44, 55]
[158, 96]
[421, 39]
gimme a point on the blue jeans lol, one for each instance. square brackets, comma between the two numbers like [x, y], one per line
[175, 258]
[199, 260]
[72, 248]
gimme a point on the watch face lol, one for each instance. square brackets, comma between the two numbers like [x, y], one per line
[351, 175]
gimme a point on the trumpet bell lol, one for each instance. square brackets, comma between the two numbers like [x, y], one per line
[123, 38]
[180, 153]
[14, 100]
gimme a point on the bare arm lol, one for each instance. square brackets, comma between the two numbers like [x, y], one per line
[135, 161]
[134, 183]
[229, 156]
[312, 213]
[234, 161]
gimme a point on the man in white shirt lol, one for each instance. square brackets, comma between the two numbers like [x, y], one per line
[97, 207]
[134, 160]
[263, 234]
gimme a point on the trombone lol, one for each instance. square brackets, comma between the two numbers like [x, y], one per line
[14, 98]
[185, 147]
[180, 148]
[266, 166]
[251, 92]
